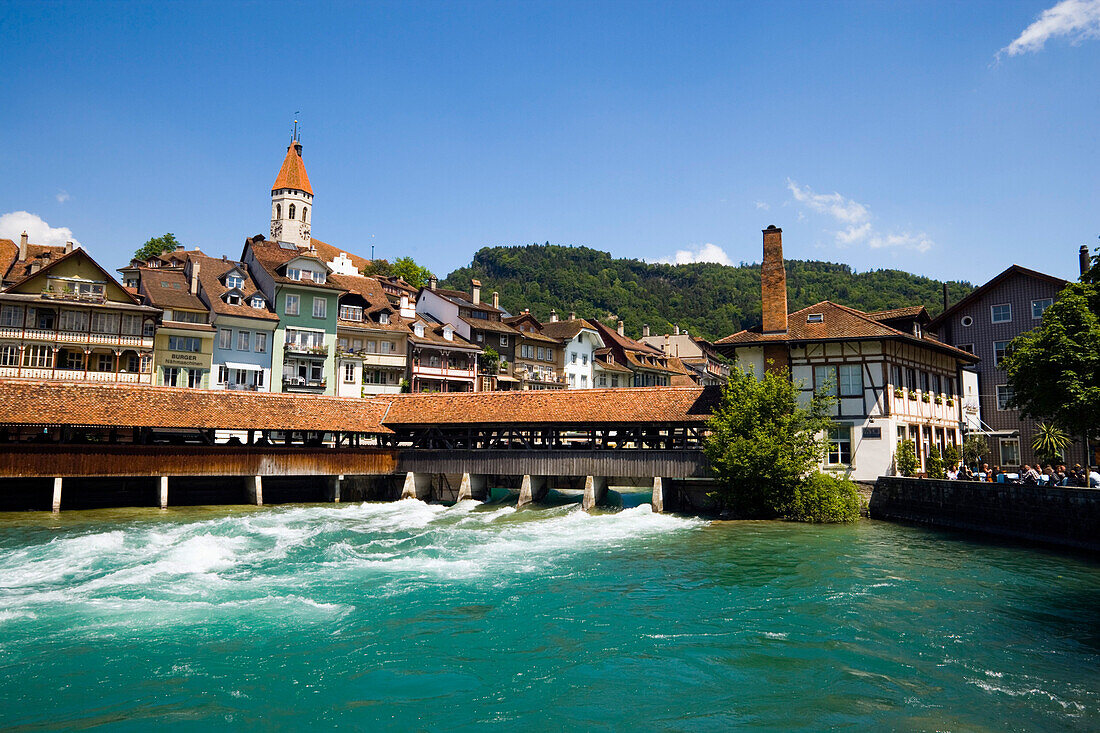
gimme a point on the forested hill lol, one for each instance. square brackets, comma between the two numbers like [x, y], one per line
[708, 299]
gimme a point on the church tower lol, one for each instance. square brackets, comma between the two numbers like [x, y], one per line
[292, 198]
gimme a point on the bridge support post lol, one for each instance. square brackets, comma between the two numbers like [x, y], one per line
[595, 489]
[658, 500]
[254, 487]
[163, 492]
[57, 494]
[531, 489]
[417, 486]
[472, 485]
[334, 483]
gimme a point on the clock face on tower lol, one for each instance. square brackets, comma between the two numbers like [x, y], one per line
[304, 230]
[276, 230]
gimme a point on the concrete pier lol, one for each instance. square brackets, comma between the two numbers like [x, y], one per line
[472, 485]
[57, 494]
[334, 483]
[254, 489]
[163, 492]
[531, 489]
[595, 489]
[658, 500]
[417, 486]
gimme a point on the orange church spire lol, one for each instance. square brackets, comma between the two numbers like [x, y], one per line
[293, 173]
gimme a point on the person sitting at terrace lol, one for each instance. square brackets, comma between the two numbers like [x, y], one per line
[952, 474]
[965, 474]
[1029, 475]
[1094, 478]
[1060, 474]
[986, 472]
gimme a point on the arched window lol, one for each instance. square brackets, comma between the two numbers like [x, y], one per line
[291, 211]
[305, 210]
[278, 211]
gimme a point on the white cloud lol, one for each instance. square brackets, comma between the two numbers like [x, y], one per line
[1077, 19]
[855, 220]
[705, 253]
[14, 223]
[62, 196]
[762, 205]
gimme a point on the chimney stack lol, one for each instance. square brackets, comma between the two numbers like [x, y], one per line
[496, 300]
[645, 330]
[23, 245]
[553, 315]
[619, 328]
[475, 291]
[677, 330]
[572, 315]
[68, 246]
[433, 281]
[1086, 262]
[773, 282]
[195, 278]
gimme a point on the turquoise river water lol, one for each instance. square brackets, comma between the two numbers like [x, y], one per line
[407, 616]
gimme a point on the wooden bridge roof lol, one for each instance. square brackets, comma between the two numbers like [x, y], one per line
[131, 406]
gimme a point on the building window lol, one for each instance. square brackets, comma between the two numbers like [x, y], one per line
[242, 340]
[584, 380]
[257, 302]
[320, 308]
[278, 211]
[225, 338]
[924, 381]
[131, 325]
[73, 321]
[384, 318]
[349, 373]
[305, 210]
[9, 355]
[291, 305]
[1000, 348]
[584, 359]
[840, 445]
[967, 321]
[935, 384]
[503, 340]
[351, 313]
[105, 322]
[572, 357]
[968, 348]
[233, 298]
[105, 363]
[815, 318]
[825, 380]
[1001, 313]
[851, 380]
[1005, 393]
[602, 380]
[1010, 451]
[911, 378]
[73, 360]
[234, 281]
[184, 343]
[1039, 306]
[223, 374]
[171, 377]
[260, 345]
[11, 315]
[194, 378]
[290, 211]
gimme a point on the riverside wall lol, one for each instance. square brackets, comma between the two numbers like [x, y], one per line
[1069, 517]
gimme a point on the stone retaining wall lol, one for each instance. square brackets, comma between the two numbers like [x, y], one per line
[1056, 515]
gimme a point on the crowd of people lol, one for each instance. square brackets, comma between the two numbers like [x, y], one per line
[1078, 476]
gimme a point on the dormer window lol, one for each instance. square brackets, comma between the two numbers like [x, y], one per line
[257, 302]
[383, 317]
[448, 333]
[234, 281]
[233, 298]
[418, 329]
[815, 318]
[351, 313]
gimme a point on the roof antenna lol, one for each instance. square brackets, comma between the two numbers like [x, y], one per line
[295, 138]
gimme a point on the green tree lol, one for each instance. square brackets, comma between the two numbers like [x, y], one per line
[157, 246]
[951, 455]
[906, 458]
[1054, 370]
[379, 267]
[490, 360]
[762, 443]
[1050, 443]
[975, 450]
[933, 464]
[413, 273]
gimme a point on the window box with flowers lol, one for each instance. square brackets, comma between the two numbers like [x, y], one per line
[950, 401]
[912, 395]
[899, 393]
[939, 399]
[926, 398]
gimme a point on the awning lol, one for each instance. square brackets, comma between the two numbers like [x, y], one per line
[995, 433]
[246, 367]
[505, 378]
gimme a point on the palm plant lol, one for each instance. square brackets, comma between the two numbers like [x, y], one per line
[1050, 442]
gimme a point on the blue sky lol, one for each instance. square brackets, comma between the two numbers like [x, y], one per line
[948, 139]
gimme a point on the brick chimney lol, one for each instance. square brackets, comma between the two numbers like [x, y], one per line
[1085, 260]
[572, 315]
[68, 247]
[194, 277]
[645, 330]
[496, 300]
[23, 245]
[619, 328]
[773, 282]
[433, 282]
[553, 315]
[475, 292]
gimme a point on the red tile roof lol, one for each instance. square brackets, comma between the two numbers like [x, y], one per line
[293, 172]
[328, 252]
[212, 272]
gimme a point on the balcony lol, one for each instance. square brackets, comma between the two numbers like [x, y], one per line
[304, 384]
[293, 348]
[442, 372]
[74, 375]
[76, 337]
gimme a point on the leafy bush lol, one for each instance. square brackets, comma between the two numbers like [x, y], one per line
[975, 449]
[950, 455]
[934, 464]
[824, 498]
[906, 458]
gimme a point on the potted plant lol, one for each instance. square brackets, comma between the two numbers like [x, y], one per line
[912, 394]
[925, 397]
[939, 399]
[899, 392]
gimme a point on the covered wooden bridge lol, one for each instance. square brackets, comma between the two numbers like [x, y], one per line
[437, 446]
